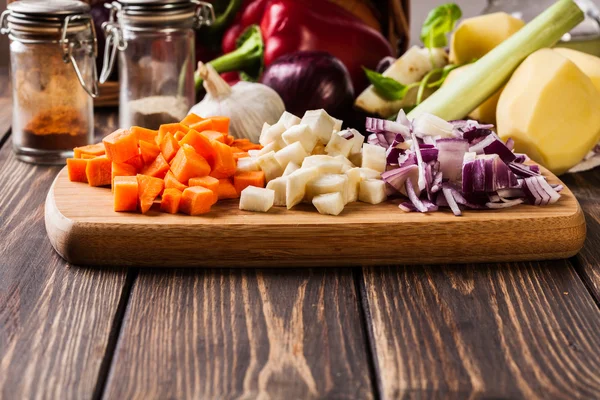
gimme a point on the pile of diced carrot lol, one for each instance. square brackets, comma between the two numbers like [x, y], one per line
[188, 165]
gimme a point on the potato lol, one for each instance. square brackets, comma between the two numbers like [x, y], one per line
[475, 37]
[486, 112]
[550, 108]
[589, 64]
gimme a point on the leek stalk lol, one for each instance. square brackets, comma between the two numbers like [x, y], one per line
[461, 96]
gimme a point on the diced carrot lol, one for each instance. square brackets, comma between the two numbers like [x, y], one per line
[158, 168]
[169, 146]
[201, 144]
[147, 135]
[196, 200]
[188, 164]
[237, 156]
[242, 180]
[245, 144]
[202, 125]
[121, 169]
[170, 128]
[149, 151]
[214, 135]
[125, 196]
[149, 188]
[137, 162]
[98, 171]
[170, 200]
[229, 140]
[220, 124]
[208, 182]
[90, 150]
[224, 163]
[227, 190]
[121, 145]
[76, 168]
[236, 150]
[192, 119]
[179, 135]
[172, 183]
[87, 156]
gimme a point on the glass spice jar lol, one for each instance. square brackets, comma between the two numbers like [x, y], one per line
[53, 54]
[155, 40]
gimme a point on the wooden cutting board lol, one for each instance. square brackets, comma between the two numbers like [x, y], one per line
[84, 230]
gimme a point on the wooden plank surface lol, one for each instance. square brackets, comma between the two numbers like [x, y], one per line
[223, 334]
[527, 330]
[96, 235]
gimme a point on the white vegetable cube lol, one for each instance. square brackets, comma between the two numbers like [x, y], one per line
[291, 167]
[270, 166]
[256, 199]
[330, 183]
[296, 186]
[279, 186]
[330, 167]
[273, 146]
[319, 149]
[272, 134]
[320, 123]
[368, 173]
[337, 124]
[329, 204]
[288, 120]
[293, 153]
[357, 141]
[300, 133]
[372, 191]
[247, 164]
[373, 157]
[256, 153]
[316, 160]
[354, 180]
[344, 161]
[339, 145]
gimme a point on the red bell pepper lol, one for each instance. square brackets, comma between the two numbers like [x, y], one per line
[292, 25]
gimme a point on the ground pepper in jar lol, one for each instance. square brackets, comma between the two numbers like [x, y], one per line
[56, 128]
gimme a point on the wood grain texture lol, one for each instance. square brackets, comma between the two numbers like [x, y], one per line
[55, 319]
[96, 235]
[243, 334]
[5, 103]
[527, 330]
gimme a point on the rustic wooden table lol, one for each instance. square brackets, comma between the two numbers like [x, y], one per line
[514, 330]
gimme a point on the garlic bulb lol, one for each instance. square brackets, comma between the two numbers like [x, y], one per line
[248, 105]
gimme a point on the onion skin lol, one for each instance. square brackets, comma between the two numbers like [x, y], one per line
[310, 80]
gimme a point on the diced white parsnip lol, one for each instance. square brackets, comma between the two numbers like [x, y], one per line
[330, 183]
[292, 153]
[320, 123]
[429, 124]
[319, 149]
[270, 166]
[354, 179]
[316, 160]
[291, 167]
[273, 146]
[356, 158]
[368, 173]
[344, 160]
[300, 133]
[329, 204]
[330, 167]
[288, 120]
[373, 157]
[372, 191]
[338, 145]
[296, 186]
[357, 141]
[256, 199]
[337, 124]
[265, 127]
[247, 164]
[279, 186]
[272, 134]
[255, 153]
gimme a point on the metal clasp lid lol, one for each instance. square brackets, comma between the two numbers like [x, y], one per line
[205, 14]
[114, 41]
[68, 46]
[4, 29]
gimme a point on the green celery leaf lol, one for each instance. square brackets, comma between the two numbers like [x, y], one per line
[440, 21]
[388, 88]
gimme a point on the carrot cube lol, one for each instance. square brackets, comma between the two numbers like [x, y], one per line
[226, 190]
[87, 156]
[158, 168]
[170, 128]
[208, 182]
[137, 162]
[98, 171]
[121, 145]
[245, 145]
[242, 180]
[170, 201]
[125, 193]
[121, 170]
[172, 183]
[196, 200]
[229, 140]
[169, 146]
[201, 144]
[214, 135]
[147, 135]
[205, 125]
[76, 168]
[179, 135]
[220, 124]
[188, 164]
[149, 188]
[149, 151]
[225, 164]
[192, 119]
[94, 150]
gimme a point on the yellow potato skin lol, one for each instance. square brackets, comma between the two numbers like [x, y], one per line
[587, 63]
[551, 109]
[475, 37]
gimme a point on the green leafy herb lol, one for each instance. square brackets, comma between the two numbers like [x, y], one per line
[440, 21]
[388, 88]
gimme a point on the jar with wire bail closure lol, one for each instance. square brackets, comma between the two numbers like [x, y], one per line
[154, 41]
[53, 68]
